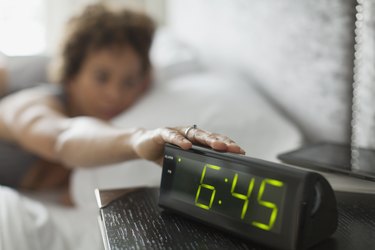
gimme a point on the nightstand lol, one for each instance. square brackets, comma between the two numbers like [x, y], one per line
[131, 219]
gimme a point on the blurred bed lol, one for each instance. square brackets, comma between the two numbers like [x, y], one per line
[185, 92]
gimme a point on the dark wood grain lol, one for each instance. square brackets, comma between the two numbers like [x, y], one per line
[134, 221]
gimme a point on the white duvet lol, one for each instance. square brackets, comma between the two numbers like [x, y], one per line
[28, 223]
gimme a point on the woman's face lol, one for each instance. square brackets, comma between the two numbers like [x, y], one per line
[110, 81]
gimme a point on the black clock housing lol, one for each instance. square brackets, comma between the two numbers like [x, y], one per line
[272, 204]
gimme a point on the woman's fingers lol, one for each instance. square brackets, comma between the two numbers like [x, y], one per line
[173, 136]
[219, 142]
[232, 146]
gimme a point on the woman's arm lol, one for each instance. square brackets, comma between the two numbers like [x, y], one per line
[36, 120]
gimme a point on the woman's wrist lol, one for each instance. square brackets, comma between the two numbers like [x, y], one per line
[133, 141]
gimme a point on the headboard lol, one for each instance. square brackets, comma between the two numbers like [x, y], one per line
[363, 134]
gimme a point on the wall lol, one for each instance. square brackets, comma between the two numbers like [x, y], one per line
[299, 52]
[58, 12]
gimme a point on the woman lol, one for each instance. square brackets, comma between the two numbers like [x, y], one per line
[102, 70]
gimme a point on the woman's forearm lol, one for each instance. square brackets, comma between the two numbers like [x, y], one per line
[36, 122]
[90, 142]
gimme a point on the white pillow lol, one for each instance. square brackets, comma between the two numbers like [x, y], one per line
[214, 101]
[172, 57]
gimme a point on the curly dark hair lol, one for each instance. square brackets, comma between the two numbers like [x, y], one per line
[100, 26]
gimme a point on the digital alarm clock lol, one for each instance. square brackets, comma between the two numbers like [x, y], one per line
[276, 205]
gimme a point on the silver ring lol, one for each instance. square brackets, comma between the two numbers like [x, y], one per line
[188, 130]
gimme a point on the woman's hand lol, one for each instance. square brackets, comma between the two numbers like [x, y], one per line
[149, 144]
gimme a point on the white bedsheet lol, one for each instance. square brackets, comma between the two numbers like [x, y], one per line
[33, 222]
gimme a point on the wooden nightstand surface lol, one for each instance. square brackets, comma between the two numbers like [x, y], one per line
[131, 219]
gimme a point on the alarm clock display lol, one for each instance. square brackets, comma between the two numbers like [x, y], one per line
[268, 203]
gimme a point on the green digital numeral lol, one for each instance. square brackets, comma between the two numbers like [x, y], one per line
[267, 204]
[210, 187]
[242, 196]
